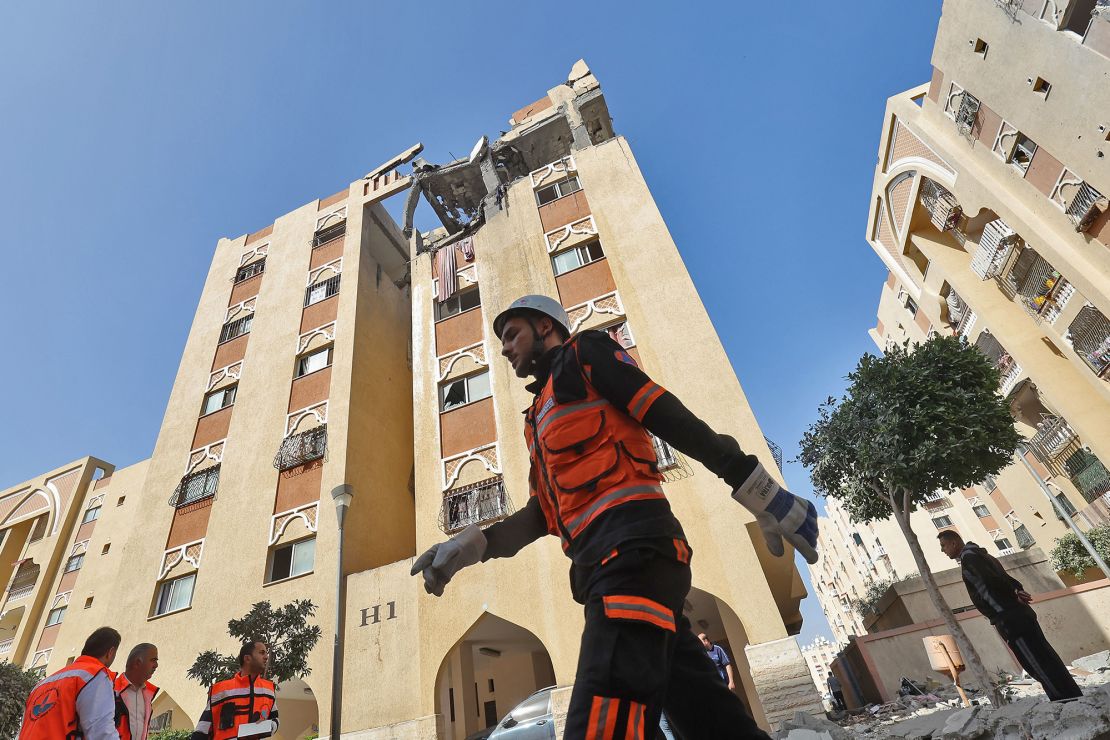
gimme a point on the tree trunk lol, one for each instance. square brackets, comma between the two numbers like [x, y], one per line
[971, 656]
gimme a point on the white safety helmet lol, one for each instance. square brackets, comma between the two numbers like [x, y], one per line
[541, 304]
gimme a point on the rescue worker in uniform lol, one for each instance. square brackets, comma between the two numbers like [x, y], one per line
[135, 693]
[76, 701]
[595, 484]
[244, 699]
[1004, 602]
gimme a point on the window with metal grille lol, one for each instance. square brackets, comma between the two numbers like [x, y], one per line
[292, 560]
[175, 595]
[981, 511]
[217, 400]
[196, 486]
[248, 271]
[302, 448]
[464, 300]
[162, 721]
[575, 257]
[941, 522]
[1090, 338]
[480, 503]
[1086, 205]
[236, 328]
[989, 484]
[1088, 474]
[967, 114]
[464, 390]
[1003, 545]
[1024, 539]
[557, 190]
[74, 563]
[321, 290]
[325, 235]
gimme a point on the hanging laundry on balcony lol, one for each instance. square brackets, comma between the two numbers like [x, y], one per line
[467, 247]
[446, 269]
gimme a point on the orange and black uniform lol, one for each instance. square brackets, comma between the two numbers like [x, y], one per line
[236, 701]
[121, 683]
[54, 708]
[595, 484]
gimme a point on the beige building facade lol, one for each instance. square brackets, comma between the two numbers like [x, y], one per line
[988, 210]
[326, 351]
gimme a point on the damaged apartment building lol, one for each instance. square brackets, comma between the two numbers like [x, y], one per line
[336, 346]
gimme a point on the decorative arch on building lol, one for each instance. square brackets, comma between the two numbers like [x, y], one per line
[29, 504]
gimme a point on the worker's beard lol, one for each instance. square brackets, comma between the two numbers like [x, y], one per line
[527, 366]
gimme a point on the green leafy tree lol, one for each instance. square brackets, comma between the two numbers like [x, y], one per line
[912, 423]
[171, 735]
[868, 604]
[1069, 553]
[15, 686]
[285, 631]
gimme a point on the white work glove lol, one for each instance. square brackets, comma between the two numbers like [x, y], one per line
[441, 562]
[780, 514]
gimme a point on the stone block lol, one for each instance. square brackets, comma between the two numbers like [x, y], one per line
[1095, 663]
[782, 680]
[966, 724]
[819, 724]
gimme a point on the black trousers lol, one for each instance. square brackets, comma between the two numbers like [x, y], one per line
[639, 656]
[1023, 634]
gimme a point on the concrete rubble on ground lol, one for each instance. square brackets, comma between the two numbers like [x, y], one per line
[939, 714]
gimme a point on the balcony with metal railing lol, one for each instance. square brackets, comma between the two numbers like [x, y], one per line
[1089, 335]
[323, 236]
[1085, 207]
[944, 210]
[195, 487]
[1060, 449]
[302, 448]
[20, 592]
[6, 645]
[480, 503]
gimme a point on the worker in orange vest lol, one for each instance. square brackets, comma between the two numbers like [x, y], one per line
[76, 701]
[595, 484]
[243, 706]
[135, 693]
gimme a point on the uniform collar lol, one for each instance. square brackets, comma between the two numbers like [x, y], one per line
[542, 370]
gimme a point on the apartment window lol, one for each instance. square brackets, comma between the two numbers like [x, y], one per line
[74, 563]
[39, 530]
[1066, 505]
[940, 522]
[55, 616]
[911, 306]
[175, 595]
[313, 361]
[981, 47]
[107, 546]
[120, 500]
[464, 390]
[1023, 152]
[557, 190]
[91, 515]
[236, 328]
[989, 484]
[89, 602]
[572, 259]
[321, 290]
[196, 486]
[1042, 87]
[981, 511]
[217, 400]
[325, 235]
[1003, 544]
[248, 271]
[292, 560]
[464, 300]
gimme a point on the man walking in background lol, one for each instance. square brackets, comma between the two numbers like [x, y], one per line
[135, 694]
[720, 660]
[1003, 601]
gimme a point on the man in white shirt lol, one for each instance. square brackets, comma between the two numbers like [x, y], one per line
[134, 692]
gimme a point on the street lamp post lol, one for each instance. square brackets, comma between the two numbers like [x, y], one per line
[342, 496]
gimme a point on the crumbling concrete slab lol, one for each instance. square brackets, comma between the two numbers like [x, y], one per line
[1097, 663]
[970, 723]
[824, 727]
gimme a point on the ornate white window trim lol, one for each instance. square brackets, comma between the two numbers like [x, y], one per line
[79, 548]
[563, 166]
[468, 275]
[307, 513]
[476, 352]
[1069, 180]
[952, 101]
[327, 331]
[213, 452]
[61, 599]
[1005, 131]
[489, 455]
[318, 410]
[42, 657]
[314, 276]
[95, 501]
[242, 307]
[261, 250]
[233, 371]
[190, 552]
[582, 227]
[609, 303]
[339, 214]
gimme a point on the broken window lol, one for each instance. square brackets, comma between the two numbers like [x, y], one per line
[462, 301]
[557, 190]
[1024, 149]
[572, 259]
[621, 334]
[464, 390]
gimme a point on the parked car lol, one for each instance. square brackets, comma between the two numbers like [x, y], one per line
[529, 720]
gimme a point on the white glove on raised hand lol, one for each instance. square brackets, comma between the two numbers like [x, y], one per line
[779, 514]
[441, 562]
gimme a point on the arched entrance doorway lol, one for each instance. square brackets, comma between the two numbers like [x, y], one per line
[489, 671]
[165, 714]
[298, 710]
[721, 626]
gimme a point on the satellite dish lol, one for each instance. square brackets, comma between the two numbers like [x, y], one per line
[477, 150]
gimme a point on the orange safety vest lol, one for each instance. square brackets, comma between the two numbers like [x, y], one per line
[588, 456]
[239, 700]
[51, 712]
[123, 719]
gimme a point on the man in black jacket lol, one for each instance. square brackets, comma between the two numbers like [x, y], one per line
[1003, 601]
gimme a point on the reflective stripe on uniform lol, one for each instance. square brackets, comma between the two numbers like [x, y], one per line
[640, 609]
[613, 497]
[682, 552]
[635, 721]
[644, 398]
[603, 719]
[230, 694]
[75, 673]
[568, 409]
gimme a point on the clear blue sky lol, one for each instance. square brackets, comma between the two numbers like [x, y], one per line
[134, 135]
